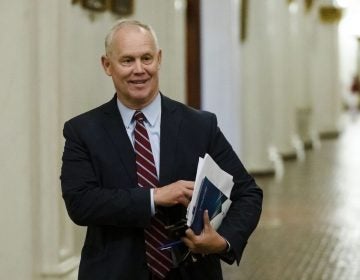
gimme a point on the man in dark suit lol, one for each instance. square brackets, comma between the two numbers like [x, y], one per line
[100, 173]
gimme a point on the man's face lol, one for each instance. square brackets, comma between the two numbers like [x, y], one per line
[134, 63]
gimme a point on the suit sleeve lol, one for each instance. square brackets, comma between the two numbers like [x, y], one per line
[244, 213]
[86, 201]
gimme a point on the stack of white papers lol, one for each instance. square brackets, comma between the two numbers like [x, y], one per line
[211, 192]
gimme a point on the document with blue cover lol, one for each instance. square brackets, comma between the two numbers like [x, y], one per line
[211, 192]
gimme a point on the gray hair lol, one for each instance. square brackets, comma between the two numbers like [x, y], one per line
[127, 22]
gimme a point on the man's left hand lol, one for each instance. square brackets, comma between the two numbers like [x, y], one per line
[208, 242]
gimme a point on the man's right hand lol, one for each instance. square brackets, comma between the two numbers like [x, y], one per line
[179, 192]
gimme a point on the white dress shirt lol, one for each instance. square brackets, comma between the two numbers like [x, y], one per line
[152, 113]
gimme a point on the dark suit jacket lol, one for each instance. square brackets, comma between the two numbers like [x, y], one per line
[99, 186]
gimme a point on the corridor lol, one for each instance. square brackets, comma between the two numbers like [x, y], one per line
[310, 226]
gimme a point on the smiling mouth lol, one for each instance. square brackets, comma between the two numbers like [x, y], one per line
[138, 82]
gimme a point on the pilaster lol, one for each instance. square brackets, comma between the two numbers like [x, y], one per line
[55, 233]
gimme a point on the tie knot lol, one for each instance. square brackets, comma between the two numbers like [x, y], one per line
[139, 116]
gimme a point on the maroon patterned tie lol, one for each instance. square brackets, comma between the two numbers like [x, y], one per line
[160, 262]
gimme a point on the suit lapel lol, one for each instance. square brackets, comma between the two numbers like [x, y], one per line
[116, 130]
[170, 125]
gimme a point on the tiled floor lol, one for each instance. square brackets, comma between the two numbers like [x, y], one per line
[310, 227]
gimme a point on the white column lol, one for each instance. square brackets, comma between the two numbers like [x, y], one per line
[280, 29]
[304, 60]
[257, 101]
[220, 46]
[325, 75]
[55, 232]
[16, 122]
[295, 74]
[174, 56]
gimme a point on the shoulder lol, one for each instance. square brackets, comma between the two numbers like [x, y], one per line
[90, 123]
[188, 113]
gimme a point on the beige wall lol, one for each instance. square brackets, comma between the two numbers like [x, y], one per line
[15, 124]
[50, 71]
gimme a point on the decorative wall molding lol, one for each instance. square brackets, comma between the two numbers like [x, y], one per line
[330, 14]
[118, 7]
[244, 12]
[308, 5]
[62, 269]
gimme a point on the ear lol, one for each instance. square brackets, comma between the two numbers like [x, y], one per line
[106, 63]
[159, 58]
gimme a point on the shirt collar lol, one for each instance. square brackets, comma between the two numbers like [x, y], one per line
[152, 112]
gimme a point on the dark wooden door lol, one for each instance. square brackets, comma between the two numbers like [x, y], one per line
[193, 54]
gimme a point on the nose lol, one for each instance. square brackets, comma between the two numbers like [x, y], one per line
[138, 66]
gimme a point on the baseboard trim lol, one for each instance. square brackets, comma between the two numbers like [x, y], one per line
[61, 269]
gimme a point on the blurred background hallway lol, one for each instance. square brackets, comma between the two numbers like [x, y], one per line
[282, 77]
[310, 224]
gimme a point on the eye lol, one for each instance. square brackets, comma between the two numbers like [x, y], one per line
[126, 61]
[147, 59]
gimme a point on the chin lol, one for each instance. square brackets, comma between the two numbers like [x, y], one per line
[141, 100]
[140, 96]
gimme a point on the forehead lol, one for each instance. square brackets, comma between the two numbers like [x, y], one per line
[132, 40]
